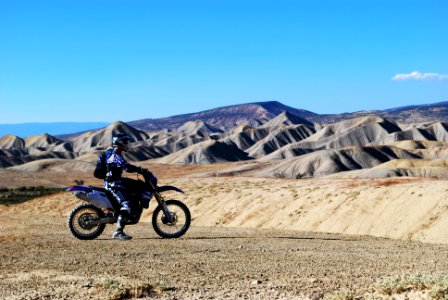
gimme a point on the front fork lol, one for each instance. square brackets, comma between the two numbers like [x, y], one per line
[168, 215]
[161, 201]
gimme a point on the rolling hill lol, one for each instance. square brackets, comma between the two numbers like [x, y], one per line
[228, 117]
[286, 145]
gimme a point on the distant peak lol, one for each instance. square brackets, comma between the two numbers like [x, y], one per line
[10, 137]
[118, 123]
[226, 117]
[194, 126]
[42, 136]
[10, 141]
[273, 102]
[287, 118]
[119, 126]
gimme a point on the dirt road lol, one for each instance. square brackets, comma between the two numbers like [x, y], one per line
[40, 260]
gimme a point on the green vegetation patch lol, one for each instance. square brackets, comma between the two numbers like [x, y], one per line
[431, 287]
[25, 193]
[119, 289]
[435, 285]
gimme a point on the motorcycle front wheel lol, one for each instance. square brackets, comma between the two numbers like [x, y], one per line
[80, 222]
[180, 220]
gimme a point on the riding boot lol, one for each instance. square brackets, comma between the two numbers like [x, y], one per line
[119, 233]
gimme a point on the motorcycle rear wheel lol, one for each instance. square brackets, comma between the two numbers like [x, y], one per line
[181, 216]
[78, 222]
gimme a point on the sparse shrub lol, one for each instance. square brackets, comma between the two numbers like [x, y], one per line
[355, 194]
[437, 286]
[22, 194]
[401, 287]
[281, 174]
[114, 288]
[439, 291]
[227, 217]
[340, 295]
[118, 289]
[391, 285]
[79, 181]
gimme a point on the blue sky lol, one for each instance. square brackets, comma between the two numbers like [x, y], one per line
[94, 60]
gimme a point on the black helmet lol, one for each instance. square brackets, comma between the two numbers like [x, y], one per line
[122, 140]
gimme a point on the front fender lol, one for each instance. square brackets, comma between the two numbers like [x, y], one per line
[165, 188]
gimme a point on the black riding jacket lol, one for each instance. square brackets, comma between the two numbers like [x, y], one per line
[116, 163]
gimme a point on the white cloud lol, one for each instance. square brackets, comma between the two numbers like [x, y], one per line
[416, 75]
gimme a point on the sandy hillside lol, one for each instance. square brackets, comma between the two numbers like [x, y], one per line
[221, 258]
[406, 209]
[251, 238]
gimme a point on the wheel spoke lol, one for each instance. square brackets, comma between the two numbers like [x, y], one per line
[82, 221]
[180, 220]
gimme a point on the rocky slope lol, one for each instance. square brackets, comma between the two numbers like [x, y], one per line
[285, 145]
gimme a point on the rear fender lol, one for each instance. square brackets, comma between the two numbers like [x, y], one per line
[97, 198]
[80, 188]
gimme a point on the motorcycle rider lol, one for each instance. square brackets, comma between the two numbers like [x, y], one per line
[117, 185]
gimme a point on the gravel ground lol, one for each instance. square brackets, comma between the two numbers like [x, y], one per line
[39, 259]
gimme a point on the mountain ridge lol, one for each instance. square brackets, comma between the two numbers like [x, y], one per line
[225, 117]
[286, 146]
[229, 117]
[431, 112]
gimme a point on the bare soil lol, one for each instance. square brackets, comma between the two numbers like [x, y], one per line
[39, 259]
[13, 178]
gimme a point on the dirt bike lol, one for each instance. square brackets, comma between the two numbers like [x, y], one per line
[170, 219]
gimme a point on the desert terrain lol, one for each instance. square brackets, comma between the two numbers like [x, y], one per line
[282, 208]
[251, 238]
